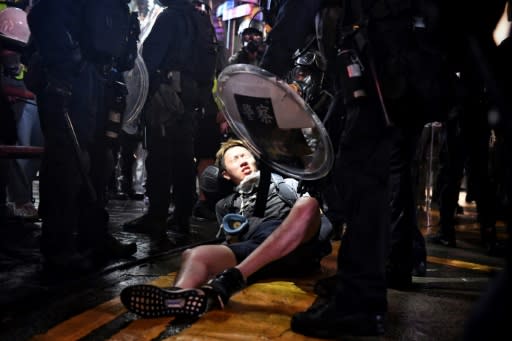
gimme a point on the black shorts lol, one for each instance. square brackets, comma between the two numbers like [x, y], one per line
[301, 261]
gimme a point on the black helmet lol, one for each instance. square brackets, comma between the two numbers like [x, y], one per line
[252, 31]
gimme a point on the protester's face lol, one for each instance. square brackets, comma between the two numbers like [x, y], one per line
[239, 163]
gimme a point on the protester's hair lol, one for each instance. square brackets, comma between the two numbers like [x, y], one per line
[224, 147]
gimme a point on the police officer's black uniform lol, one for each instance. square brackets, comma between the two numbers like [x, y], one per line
[72, 80]
[170, 161]
[375, 39]
[362, 172]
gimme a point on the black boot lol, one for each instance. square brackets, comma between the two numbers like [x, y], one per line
[203, 212]
[443, 239]
[326, 287]
[225, 285]
[322, 320]
[114, 249]
[489, 241]
[146, 224]
[179, 224]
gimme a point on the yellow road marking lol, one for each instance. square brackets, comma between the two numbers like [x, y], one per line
[81, 325]
[84, 323]
[463, 264]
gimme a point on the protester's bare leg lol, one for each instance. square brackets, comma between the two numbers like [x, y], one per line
[203, 262]
[301, 224]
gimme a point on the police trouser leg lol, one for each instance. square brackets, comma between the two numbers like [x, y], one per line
[159, 173]
[362, 177]
[403, 207]
[183, 168]
[452, 158]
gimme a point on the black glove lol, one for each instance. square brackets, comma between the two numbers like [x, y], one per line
[116, 105]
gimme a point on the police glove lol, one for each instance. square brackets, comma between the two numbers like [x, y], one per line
[116, 103]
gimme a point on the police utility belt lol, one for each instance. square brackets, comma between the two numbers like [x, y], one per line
[172, 77]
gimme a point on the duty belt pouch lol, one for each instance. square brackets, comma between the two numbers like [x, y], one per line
[165, 106]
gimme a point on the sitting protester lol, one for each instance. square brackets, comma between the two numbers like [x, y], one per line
[290, 238]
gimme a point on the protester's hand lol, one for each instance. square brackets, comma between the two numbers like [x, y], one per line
[224, 128]
[220, 118]
[296, 88]
[223, 124]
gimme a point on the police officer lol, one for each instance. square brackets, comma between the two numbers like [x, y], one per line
[374, 89]
[469, 131]
[170, 120]
[75, 56]
[362, 173]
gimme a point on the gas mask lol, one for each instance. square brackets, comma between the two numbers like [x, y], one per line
[252, 40]
[307, 74]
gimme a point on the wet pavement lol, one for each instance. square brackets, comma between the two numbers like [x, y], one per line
[35, 306]
[31, 299]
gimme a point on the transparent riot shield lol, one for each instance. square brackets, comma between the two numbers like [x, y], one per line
[137, 83]
[276, 123]
[137, 79]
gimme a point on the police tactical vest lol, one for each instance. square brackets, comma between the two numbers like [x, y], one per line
[106, 29]
[397, 44]
[203, 48]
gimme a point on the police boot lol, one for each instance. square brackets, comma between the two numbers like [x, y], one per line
[489, 241]
[326, 287]
[146, 224]
[224, 285]
[179, 225]
[115, 249]
[323, 320]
